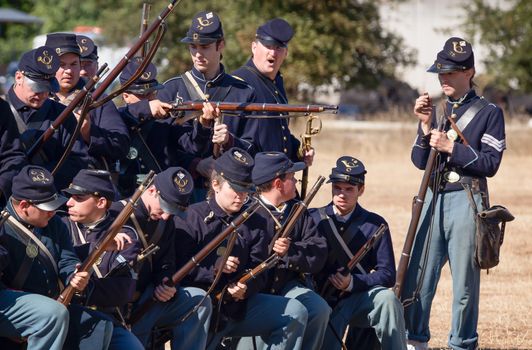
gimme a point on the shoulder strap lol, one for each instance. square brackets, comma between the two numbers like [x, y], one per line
[349, 234]
[43, 253]
[193, 88]
[471, 112]
[269, 84]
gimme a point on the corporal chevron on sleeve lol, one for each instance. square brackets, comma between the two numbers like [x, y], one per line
[499, 145]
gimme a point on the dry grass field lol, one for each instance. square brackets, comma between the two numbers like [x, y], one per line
[506, 293]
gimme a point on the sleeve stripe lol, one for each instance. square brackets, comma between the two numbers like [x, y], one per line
[499, 145]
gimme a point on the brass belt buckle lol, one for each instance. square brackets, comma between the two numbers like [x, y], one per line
[451, 177]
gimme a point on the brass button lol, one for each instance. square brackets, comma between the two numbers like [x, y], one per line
[285, 150]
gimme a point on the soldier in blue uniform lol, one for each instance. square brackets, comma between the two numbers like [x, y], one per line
[37, 259]
[152, 219]
[262, 72]
[156, 142]
[34, 112]
[12, 158]
[207, 80]
[368, 303]
[89, 56]
[113, 282]
[304, 252]
[103, 130]
[459, 184]
[279, 322]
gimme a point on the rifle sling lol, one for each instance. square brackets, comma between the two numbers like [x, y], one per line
[339, 243]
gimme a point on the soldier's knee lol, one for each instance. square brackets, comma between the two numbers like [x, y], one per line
[297, 311]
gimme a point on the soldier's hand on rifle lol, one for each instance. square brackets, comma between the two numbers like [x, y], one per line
[237, 290]
[339, 280]
[158, 109]
[163, 292]
[221, 134]
[80, 280]
[231, 265]
[209, 115]
[441, 142]
[281, 245]
[120, 242]
[85, 127]
[423, 110]
[308, 157]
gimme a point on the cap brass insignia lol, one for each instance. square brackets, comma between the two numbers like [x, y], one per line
[38, 176]
[204, 22]
[146, 75]
[458, 46]
[46, 59]
[239, 156]
[83, 47]
[353, 163]
[181, 181]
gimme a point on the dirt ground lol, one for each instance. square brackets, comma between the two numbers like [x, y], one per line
[506, 304]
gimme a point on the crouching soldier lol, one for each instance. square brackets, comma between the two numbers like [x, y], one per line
[303, 252]
[37, 259]
[167, 197]
[243, 311]
[368, 303]
[113, 281]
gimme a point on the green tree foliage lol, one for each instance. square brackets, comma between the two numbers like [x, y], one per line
[13, 36]
[340, 41]
[336, 41]
[507, 32]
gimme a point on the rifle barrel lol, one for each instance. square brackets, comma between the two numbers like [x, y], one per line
[254, 107]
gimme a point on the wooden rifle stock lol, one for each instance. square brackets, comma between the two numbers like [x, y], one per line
[417, 207]
[105, 83]
[328, 290]
[116, 226]
[196, 259]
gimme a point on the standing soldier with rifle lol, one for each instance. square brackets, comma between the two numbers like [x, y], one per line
[447, 228]
[262, 72]
[153, 220]
[113, 281]
[242, 309]
[155, 142]
[208, 81]
[103, 131]
[37, 261]
[368, 303]
[34, 112]
[303, 253]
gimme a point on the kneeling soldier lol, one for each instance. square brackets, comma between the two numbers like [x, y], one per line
[37, 260]
[278, 321]
[113, 282]
[152, 218]
[303, 252]
[368, 302]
